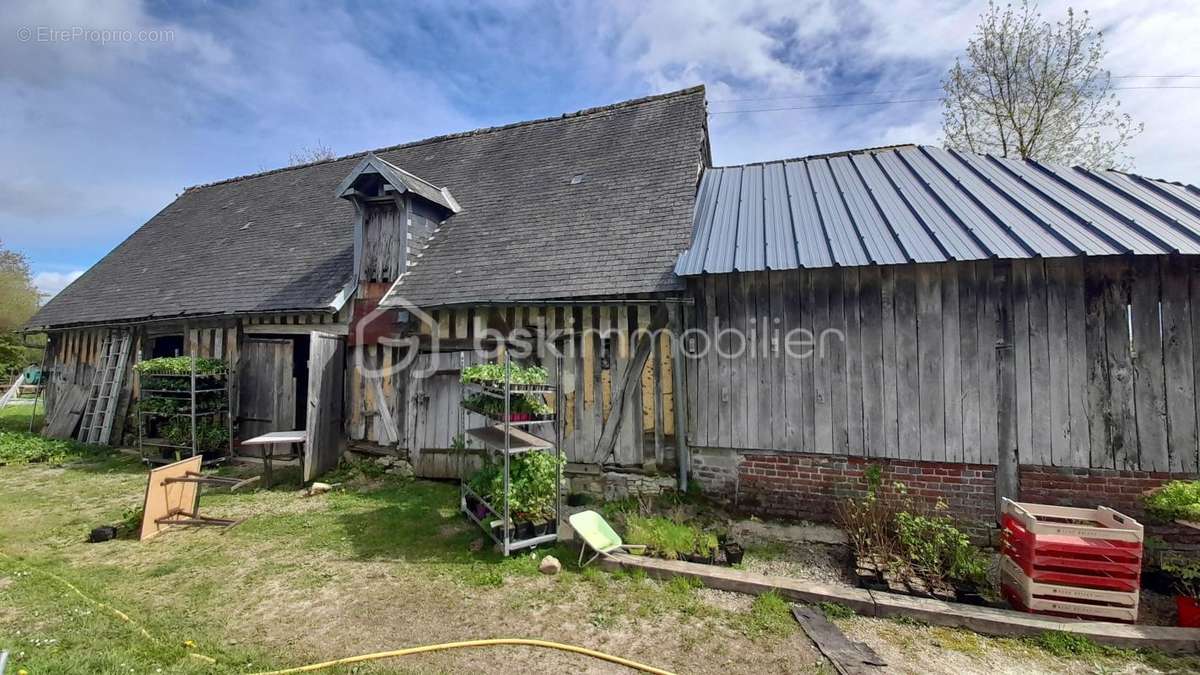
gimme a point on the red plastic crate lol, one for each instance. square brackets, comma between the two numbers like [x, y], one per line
[1065, 600]
[1096, 546]
[1083, 577]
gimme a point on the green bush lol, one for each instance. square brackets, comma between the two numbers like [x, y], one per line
[18, 447]
[1177, 500]
[938, 550]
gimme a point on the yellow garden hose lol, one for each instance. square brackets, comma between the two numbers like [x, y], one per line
[476, 643]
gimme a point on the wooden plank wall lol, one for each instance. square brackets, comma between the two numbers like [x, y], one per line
[1106, 358]
[592, 364]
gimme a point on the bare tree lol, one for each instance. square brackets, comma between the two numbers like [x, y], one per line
[1032, 89]
[307, 155]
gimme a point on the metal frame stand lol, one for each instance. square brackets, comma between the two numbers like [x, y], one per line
[499, 438]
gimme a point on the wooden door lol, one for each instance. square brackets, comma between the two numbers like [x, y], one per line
[326, 362]
[267, 397]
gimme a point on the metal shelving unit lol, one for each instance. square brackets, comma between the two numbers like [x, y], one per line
[505, 438]
[151, 448]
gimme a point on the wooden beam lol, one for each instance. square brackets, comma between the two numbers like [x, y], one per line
[678, 387]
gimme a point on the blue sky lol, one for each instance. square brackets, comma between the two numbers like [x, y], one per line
[97, 137]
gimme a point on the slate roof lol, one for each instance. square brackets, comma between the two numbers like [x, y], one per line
[924, 204]
[282, 241]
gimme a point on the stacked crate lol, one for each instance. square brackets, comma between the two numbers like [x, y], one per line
[1071, 562]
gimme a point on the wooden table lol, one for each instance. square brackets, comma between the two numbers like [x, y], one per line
[295, 441]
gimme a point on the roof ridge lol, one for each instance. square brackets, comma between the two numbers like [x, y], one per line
[823, 155]
[464, 134]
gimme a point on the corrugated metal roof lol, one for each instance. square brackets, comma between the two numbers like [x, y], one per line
[925, 204]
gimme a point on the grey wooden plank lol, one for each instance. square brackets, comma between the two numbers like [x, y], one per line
[951, 367]
[723, 390]
[836, 349]
[743, 372]
[1039, 366]
[887, 324]
[929, 355]
[871, 339]
[1177, 365]
[703, 408]
[596, 426]
[1193, 273]
[1008, 485]
[1058, 297]
[778, 360]
[908, 365]
[822, 366]
[990, 303]
[1070, 277]
[793, 360]
[1123, 438]
[1149, 378]
[808, 362]
[1099, 404]
[854, 363]
[762, 420]
[656, 396]
[1023, 356]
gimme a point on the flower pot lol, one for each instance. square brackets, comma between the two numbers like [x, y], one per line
[524, 530]
[709, 559]
[1189, 611]
[734, 553]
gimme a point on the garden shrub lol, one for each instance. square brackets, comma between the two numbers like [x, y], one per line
[1178, 499]
[18, 447]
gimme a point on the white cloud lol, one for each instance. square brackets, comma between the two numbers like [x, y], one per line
[49, 284]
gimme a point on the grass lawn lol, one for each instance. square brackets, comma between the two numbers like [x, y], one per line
[381, 564]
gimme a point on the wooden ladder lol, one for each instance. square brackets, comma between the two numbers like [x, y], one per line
[97, 423]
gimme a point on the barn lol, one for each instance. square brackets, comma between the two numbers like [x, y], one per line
[976, 327]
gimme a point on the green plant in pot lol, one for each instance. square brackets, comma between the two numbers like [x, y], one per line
[1185, 573]
[531, 490]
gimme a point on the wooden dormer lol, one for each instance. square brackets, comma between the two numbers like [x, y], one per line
[397, 213]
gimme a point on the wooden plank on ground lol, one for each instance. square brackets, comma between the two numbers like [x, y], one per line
[848, 658]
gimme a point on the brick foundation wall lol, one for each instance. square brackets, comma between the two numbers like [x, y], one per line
[808, 486]
[1119, 490]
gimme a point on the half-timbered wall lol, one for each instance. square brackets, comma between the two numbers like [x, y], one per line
[592, 366]
[1101, 357]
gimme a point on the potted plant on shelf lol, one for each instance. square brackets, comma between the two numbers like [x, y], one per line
[1185, 573]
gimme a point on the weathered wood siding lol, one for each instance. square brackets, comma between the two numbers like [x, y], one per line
[592, 366]
[1105, 357]
[73, 355]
